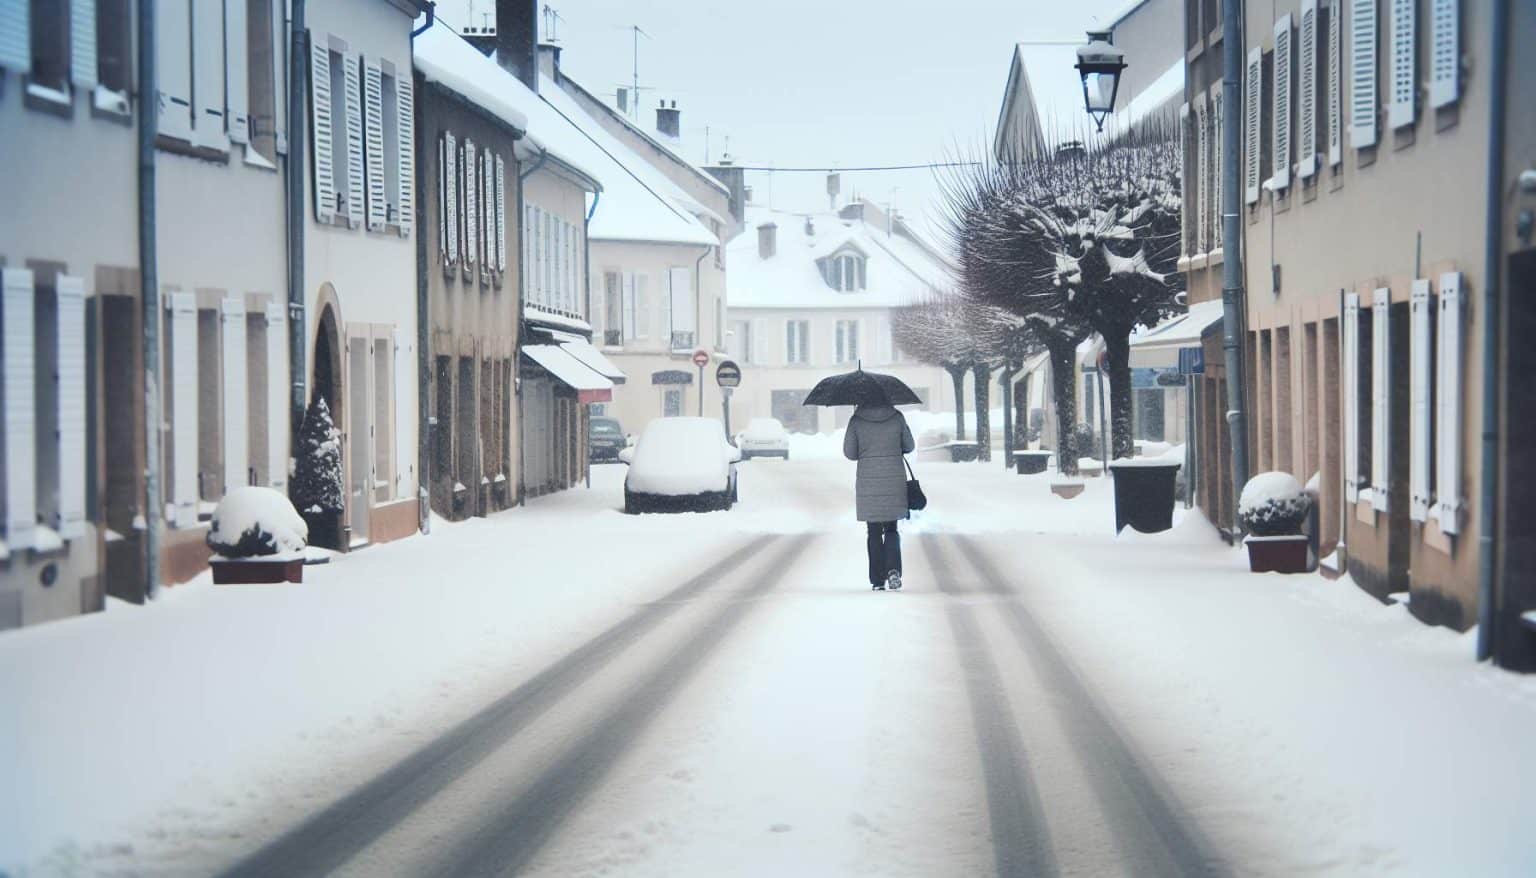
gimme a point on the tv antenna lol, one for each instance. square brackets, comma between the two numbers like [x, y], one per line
[635, 83]
[552, 19]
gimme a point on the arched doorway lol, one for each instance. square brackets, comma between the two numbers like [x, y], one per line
[327, 368]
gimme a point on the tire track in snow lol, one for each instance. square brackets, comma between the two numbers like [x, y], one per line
[1153, 832]
[1021, 840]
[522, 825]
[325, 841]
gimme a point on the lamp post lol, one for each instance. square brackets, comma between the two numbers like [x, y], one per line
[1100, 64]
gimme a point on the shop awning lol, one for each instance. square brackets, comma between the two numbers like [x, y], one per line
[593, 359]
[1184, 331]
[589, 385]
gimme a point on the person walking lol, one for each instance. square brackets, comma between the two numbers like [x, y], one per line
[877, 437]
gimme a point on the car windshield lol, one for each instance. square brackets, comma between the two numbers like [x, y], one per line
[605, 427]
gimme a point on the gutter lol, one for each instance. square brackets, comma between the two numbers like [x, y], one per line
[1494, 225]
[149, 292]
[431, 9]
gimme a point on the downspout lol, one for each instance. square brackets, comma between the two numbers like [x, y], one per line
[298, 333]
[1493, 240]
[424, 431]
[149, 292]
[1231, 234]
[698, 313]
[586, 274]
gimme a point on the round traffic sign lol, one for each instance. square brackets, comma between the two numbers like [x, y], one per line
[701, 358]
[728, 374]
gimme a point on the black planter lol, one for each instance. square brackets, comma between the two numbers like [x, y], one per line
[964, 452]
[1282, 554]
[1031, 462]
[1144, 495]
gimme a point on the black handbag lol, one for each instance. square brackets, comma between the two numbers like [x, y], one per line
[916, 499]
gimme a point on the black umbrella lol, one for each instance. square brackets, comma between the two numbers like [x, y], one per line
[862, 388]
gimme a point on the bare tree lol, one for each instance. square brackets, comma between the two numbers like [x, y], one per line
[951, 332]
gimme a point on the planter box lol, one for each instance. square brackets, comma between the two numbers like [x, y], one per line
[1283, 554]
[1144, 494]
[256, 571]
[1067, 490]
[1031, 462]
[964, 452]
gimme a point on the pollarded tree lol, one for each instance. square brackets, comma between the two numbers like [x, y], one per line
[941, 331]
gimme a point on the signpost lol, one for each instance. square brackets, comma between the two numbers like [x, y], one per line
[701, 359]
[728, 376]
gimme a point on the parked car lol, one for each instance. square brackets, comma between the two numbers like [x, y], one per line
[606, 439]
[680, 465]
[764, 437]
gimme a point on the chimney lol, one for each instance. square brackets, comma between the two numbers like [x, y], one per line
[549, 59]
[834, 186]
[766, 239]
[668, 119]
[735, 181]
[623, 99]
[810, 228]
[513, 39]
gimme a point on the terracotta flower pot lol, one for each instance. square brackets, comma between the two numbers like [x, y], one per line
[1279, 554]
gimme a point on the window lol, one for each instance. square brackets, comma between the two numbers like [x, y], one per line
[50, 47]
[797, 334]
[261, 81]
[844, 272]
[741, 340]
[684, 313]
[383, 390]
[114, 48]
[235, 393]
[336, 73]
[613, 309]
[210, 420]
[847, 347]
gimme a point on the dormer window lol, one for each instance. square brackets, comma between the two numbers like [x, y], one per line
[844, 271]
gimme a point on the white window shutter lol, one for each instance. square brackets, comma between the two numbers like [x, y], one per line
[183, 308]
[373, 127]
[501, 214]
[1352, 394]
[277, 396]
[1400, 109]
[1448, 503]
[17, 310]
[16, 35]
[471, 205]
[173, 67]
[642, 307]
[324, 140]
[235, 389]
[1283, 57]
[1445, 52]
[1420, 437]
[281, 45]
[405, 412]
[1212, 184]
[405, 122]
[451, 174]
[71, 400]
[1201, 181]
[1362, 73]
[1335, 84]
[354, 113]
[82, 42]
[237, 73]
[1254, 84]
[1306, 129]
[1381, 398]
[208, 125]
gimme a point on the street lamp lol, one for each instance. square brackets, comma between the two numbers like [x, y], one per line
[1100, 64]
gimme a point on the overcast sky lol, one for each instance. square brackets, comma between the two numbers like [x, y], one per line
[815, 82]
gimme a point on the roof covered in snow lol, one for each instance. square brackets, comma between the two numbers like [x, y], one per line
[898, 271]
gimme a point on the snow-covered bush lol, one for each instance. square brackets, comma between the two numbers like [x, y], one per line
[253, 521]
[1273, 504]
[317, 481]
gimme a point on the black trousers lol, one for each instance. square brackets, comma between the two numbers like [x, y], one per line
[884, 550]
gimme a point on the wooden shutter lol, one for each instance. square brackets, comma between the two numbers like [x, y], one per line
[281, 46]
[237, 75]
[1306, 130]
[208, 125]
[1381, 398]
[354, 114]
[1194, 193]
[442, 198]
[1400, 109]
[1213, 183]
[1420, 379]
[452, 148]
[1444, 52]
[373, 126]
[16, 36]
[20, 358]
[1448, 388]
[173, 68]
[1284, 55]
[1362, 73]
[236, 404]
[501, 214]
[277, 396]
[82, 42]
[183, 381]
[320, 118]
[405, 122]
[405, 412]
[70, 359]
[1335, 84]
[1352, 393]
[488, 202]
[1254, 84]
[471, 212]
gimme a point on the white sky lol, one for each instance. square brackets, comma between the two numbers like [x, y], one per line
[816, 82]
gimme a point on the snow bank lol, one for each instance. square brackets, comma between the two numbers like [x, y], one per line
[680, 456]
[254, 520]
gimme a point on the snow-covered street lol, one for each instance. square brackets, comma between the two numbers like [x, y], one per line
[566, 690]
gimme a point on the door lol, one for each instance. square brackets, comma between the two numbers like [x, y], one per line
[359, 438]
[672, 402]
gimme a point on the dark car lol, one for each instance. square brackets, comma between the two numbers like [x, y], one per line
[606, 439]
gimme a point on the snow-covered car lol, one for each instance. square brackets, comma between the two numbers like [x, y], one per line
[680, 465]
[764, 437]
[606, 439]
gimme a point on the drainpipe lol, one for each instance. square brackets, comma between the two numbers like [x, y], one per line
[1231, 235]
[1493, 238]
[298, 84]
[149, 292]
[424, 431]
[517, 351]
[698, 314]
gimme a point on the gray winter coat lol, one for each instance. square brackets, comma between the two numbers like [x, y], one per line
[877, 437]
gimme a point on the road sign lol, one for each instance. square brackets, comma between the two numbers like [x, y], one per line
[728, 374]
[701, 358]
